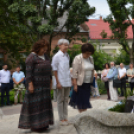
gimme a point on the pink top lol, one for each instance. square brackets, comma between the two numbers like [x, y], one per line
[104, 72]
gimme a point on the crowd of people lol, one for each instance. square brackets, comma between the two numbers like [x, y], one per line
[42, 75]
[9, 81]
[115, 78]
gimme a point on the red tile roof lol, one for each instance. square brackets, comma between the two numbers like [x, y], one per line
[97, 26]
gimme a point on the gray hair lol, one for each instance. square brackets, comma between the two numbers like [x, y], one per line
[62, 41]
[112, 62]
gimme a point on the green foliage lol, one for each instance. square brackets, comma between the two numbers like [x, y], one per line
[118, 108]
[122, 14]
[51, 94]
[74, 51]
[123, 57]
[103, 34]
[41, 18]
[100, 57]
[12, 39]
[101, 87]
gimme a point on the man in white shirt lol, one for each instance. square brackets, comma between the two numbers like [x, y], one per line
[60, 65]
[5, 84]
[122, 77]
[18, 78]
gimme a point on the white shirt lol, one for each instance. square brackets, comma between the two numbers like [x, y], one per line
[122, 71]
[60, 63]
[4, 76]
[88, 68]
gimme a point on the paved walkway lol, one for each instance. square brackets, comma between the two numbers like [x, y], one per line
[9, 122]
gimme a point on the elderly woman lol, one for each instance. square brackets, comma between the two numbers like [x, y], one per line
[112, 74]
[83, 74]
[60, 64]
[36, 113]
[105, 80]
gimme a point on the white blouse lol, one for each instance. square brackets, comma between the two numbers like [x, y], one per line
[88, 68]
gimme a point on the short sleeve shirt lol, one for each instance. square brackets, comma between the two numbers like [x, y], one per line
[18, 76]
[122, 72]
[60, 63]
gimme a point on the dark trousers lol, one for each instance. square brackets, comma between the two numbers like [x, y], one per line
[5, 87]
[107, 88]
[123, 86]
[131, 86]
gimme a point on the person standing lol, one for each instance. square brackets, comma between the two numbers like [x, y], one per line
[36, 113]
[105, 80]
[122, 77]
[5, 84]
[111, 75]
[83, 75]
[60, 65]
[95, 90]
[18, 78]
[130, 74]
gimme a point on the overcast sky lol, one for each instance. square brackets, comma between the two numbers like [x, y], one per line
[101, 6]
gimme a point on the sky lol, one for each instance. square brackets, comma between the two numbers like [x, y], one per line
[102, 8]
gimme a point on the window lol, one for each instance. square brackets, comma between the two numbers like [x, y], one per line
[93, 24]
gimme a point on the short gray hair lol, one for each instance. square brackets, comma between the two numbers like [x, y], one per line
[112, 62]
[62, 41]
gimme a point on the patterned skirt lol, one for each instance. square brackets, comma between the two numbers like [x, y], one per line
[37, 110]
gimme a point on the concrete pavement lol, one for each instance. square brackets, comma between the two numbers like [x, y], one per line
[9, 122]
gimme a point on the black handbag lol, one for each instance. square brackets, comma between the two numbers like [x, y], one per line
[132, 80]
[116, 83]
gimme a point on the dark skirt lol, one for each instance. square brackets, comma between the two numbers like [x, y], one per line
[81, 98]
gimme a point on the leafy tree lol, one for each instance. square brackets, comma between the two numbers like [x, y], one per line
[41, 17]
[12, 39]
[103, 34]
[122, 15]
[122, 57]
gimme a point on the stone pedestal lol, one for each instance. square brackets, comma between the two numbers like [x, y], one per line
[129, 104]
[104, 122]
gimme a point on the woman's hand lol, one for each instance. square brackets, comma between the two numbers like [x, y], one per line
[31, 88]
[75, 88]
[59, 86]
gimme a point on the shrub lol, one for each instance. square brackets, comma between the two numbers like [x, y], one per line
[118, 108]
[101, 86]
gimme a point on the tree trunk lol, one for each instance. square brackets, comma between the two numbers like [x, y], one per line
[131, 56]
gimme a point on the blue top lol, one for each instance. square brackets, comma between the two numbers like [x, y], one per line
[113, 73]
[18, 76]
